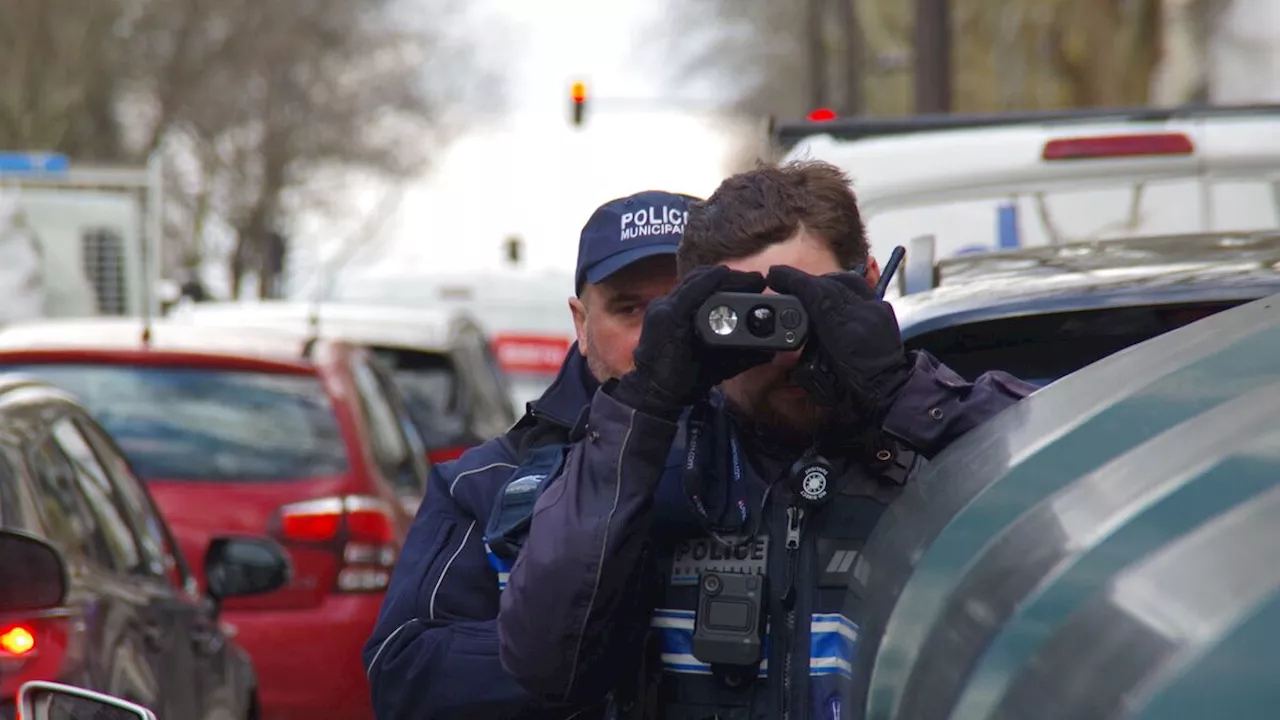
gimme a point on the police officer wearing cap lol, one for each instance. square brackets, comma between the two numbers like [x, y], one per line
[695, 555]
[434, 650]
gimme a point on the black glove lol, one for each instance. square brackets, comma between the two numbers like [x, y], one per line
[674, 368]
[854, 360]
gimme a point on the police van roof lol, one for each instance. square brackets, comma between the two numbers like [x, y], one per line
[936, 160]
[788, 134]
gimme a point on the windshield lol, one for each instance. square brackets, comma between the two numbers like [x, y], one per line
[1043, 348]
[8, 494]
[203, 424]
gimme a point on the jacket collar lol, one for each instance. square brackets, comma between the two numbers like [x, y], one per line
[568, 395]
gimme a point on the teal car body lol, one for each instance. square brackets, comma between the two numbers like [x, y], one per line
[1108, 548]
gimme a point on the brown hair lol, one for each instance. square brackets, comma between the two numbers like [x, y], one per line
[755, 209]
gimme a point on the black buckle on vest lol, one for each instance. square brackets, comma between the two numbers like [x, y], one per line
[892, 462]
[736, 677]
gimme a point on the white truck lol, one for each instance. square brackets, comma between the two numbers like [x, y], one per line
[979, 183]
[77, 241]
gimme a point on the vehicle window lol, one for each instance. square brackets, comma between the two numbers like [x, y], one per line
[101, 495]
[68, 519]
[501, 390]
[158, 555]
[208, 424]
[10, 503]
[431, 390]
[491, 413]
[389, 444]
[431, 374]
[1044, 348]
[413, 476]
[64, 706]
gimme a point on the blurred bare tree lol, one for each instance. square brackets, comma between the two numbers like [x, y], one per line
[261, 107]
[856, 57]
[57, 86]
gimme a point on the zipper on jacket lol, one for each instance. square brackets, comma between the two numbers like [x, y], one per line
[795, 520]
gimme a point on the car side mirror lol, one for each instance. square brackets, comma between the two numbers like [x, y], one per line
[39, 700]
[238, 567]
[32, 574]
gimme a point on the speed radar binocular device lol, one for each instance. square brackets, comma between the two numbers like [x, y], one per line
[753, 321]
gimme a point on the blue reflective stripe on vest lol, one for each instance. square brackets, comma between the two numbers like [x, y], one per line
[676, 627]
[500, 565]
[833, 643]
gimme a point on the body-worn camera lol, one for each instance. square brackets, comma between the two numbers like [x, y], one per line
[729, 624]
[753, 321]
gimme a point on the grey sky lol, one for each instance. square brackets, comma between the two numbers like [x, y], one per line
[532, 174]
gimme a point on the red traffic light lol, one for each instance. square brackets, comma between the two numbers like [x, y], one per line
[822, 115]
[578, 94]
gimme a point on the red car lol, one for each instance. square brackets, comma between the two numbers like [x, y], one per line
[440, 360]
[252, 433]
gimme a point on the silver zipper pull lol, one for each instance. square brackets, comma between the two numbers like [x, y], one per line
[794, 516]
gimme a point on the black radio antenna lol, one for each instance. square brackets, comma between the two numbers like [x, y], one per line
[890, 267]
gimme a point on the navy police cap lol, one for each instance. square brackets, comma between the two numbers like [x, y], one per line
[629, 229]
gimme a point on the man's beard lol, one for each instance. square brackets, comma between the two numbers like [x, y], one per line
[790, 422]
[596, 363]
[600, 371]
[797, 423]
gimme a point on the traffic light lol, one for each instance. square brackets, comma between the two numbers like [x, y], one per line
[578, 98]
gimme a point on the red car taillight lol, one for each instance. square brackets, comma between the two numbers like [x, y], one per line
[17, 641]
[31, 650]
[360, 529]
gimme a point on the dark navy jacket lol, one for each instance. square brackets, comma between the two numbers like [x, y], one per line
[600, 594]
[434, 650]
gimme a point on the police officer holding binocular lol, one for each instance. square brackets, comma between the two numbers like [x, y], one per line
[694, 556]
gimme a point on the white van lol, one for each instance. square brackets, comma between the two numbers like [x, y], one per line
[525, 313]
[980, 183]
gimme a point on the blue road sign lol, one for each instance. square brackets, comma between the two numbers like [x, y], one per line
[32, 163]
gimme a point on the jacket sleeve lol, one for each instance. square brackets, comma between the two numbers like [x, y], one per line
[434, 650]
[937, 406]
[576, 607]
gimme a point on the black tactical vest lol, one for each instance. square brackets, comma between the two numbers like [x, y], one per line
[811, 595]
